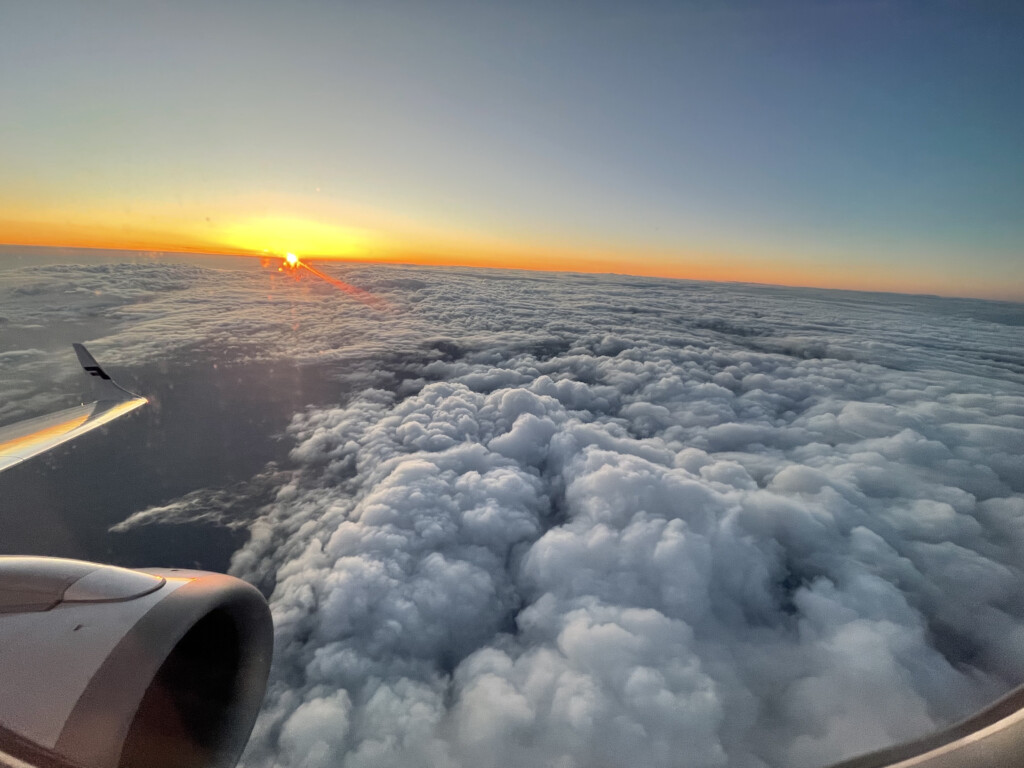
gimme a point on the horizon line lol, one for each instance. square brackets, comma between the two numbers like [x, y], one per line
[244, 253]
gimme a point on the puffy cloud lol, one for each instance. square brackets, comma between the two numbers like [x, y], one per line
[574, 521]
[615, 560]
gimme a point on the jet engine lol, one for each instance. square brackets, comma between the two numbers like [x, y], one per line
[103, 667]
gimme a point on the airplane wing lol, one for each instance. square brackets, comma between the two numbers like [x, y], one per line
[102, 667]
[25, 439]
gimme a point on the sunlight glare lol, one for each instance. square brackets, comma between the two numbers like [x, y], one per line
[281, 234]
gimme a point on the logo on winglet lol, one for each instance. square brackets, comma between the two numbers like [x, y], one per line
[95, 370]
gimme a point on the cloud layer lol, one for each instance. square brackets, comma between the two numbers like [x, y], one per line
[623, 556]
[581, 521]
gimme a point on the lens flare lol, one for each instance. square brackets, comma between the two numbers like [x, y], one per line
[360, 293]
[291, 263]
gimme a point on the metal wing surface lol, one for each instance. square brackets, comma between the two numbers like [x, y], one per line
[28, 438]
[25, 439]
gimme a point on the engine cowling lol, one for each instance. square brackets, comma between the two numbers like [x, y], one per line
[102, 667]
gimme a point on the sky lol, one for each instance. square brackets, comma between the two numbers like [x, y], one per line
[852, 144]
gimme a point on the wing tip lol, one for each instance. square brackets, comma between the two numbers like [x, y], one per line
[93, 368]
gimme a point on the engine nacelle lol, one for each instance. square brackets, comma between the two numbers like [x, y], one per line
[103, 667]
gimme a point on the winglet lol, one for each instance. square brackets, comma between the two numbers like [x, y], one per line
[93, 369]
[29, 437]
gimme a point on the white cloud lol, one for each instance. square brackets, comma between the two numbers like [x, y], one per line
[568, 521]
[626, 573]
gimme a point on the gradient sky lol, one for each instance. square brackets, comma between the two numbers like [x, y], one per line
[875, 145]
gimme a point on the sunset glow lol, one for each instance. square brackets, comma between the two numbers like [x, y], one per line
[784, 161]
[277, 233]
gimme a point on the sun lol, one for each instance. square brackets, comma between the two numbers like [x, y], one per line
[290, 263]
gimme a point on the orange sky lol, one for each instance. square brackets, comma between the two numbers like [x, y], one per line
[390, 239]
